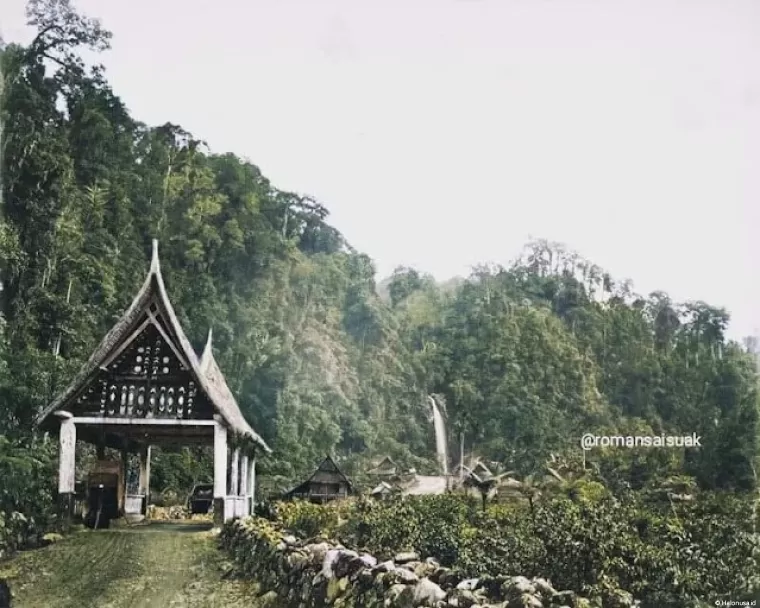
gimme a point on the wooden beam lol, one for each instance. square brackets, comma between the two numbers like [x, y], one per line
[132, 337]
[145, 471]
[163, 441]
[234, 488]
[142, 421]
[252, 483]
[168, 379]
[122, 494]
[243, 476]
[182, 358]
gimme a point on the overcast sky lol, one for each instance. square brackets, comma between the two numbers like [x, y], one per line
[442, 134]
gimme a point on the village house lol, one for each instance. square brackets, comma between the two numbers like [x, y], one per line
[326, 483]
[384, 468]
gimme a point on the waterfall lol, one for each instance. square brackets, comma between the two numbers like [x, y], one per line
[440, 436]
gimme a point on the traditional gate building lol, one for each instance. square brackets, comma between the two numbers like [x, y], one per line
[144, 385]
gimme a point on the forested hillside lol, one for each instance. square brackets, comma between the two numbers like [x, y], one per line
[526, 358]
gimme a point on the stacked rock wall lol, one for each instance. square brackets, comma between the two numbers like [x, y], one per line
[296, 573]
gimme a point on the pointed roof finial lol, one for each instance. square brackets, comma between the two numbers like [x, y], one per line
[207, 354]
[154, 257]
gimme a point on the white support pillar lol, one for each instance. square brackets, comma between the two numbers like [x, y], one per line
[145, 477]
[245, 508]
[66, 463]
[235, 480]
[220, 470]
[252, 484]
[67, 455]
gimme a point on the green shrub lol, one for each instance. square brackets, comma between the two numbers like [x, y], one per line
[666, 555]
[392, 527]
[27, 491]
[505, 545]
[307, 519]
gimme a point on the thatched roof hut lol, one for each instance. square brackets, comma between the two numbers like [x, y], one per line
[326, 483]
[385, 467]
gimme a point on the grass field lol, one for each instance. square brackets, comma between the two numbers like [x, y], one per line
[158, 565]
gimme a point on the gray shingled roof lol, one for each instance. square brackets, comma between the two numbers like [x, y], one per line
[205, 372]
[326, 471]
[218, 384]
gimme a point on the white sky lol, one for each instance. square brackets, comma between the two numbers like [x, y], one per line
[441, 134]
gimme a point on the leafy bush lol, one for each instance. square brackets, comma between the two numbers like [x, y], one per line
[392, 527]
[500, 545]
[308, 519]
[27, 468]
[587, 491]
[441, 520]
[27, 491]
[430, 525]
[667, 555]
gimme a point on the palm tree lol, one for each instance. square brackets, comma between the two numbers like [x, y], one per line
[530, 488]
[486, 484]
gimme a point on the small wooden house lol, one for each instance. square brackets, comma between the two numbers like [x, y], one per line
[383, 491]
[384, 468]
[325, 484]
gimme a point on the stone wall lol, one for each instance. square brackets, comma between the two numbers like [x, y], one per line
[314, 573]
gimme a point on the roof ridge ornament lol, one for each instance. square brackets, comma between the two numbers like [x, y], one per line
[208, 353]
[155, 267]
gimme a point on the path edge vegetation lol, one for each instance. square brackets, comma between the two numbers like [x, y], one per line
[593, 544]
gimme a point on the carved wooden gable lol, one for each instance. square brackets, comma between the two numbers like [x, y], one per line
[145, 367]
[145, 377]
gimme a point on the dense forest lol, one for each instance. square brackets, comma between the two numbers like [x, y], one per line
[321, 358]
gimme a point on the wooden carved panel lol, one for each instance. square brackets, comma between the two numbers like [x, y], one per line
[147, 356]
[146, 380]
[150, 399]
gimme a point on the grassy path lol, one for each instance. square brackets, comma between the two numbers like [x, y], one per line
[161, 565]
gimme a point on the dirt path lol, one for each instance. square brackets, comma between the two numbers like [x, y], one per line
[161, 565]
